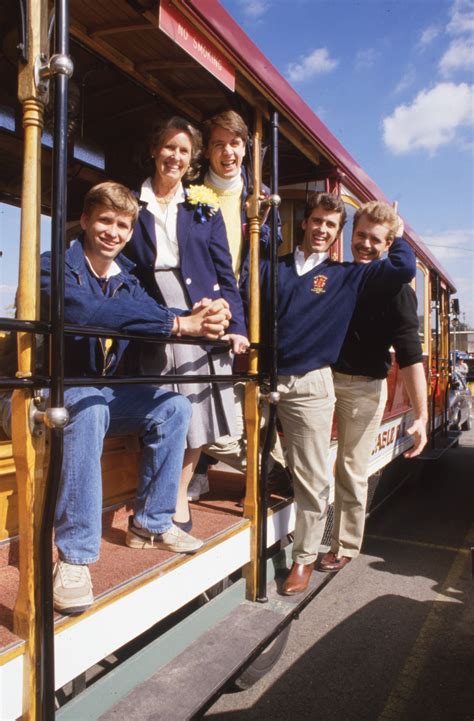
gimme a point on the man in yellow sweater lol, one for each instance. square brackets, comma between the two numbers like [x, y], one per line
[225, 138]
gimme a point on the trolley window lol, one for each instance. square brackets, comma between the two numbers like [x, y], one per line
[9, 254]
[421, 289]
[351, 205]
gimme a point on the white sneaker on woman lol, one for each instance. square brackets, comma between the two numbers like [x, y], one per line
[198, 486]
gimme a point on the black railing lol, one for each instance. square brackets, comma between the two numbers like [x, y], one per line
[273, 381]
[44, 328]
[58, 235]
[435, 385]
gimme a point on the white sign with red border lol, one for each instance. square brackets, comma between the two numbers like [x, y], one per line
[180, 30]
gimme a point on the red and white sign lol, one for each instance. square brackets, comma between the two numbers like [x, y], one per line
[179, 29]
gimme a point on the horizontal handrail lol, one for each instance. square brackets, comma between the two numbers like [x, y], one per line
[11, 384]
[44, 328]
[45, 382]
[27, 326]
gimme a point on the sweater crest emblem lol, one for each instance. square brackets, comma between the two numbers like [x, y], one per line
[319, 284]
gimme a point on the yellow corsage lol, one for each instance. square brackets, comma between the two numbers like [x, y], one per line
[204, 200]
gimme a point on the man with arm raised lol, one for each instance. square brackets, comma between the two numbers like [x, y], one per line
[382, 319]
[316, 300]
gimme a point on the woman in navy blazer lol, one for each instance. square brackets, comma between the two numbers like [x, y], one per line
[180, 249]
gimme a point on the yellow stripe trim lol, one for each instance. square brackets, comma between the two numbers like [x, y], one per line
[406, 684]
[423, 544]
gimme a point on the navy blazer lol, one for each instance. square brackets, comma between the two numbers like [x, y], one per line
[206, 263]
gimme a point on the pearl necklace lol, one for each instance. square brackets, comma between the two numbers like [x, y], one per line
[165, 199]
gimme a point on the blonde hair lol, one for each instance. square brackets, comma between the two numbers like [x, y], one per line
[114, 196]
[378, 212]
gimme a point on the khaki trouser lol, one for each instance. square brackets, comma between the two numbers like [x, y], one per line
[305, 411]
[360, 403]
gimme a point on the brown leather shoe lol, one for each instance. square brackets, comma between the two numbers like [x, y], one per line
[298, 579]
[331, 562]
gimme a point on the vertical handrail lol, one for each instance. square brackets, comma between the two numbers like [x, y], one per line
[436, 383]
[444, 322]
[450, 362]
[61, 73]
[251, 412]
[273, 370]
[28, 449]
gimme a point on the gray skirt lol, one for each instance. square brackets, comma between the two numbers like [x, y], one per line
[213, 404]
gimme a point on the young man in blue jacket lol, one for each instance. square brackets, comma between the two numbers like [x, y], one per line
[316, 299]
[100, 291]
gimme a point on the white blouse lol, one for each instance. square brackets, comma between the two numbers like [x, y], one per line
[166, 218]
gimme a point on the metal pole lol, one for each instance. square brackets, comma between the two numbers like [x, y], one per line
[451, 362]
[273, 396]
[436, 383]
[28, 449]
[61, 69]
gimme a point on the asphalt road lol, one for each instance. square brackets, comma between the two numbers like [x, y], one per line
[391, 638]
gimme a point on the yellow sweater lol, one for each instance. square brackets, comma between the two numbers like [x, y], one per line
[229, 201]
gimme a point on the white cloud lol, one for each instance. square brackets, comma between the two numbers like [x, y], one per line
[406, 80]
[254, 9]
[435, 118]
[455, 250]
[365, 59]
[451, 244]
[427, 36]
[459, 55]
[462, 17]
[316, 63]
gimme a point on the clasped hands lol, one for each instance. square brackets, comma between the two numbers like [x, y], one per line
[210, 318]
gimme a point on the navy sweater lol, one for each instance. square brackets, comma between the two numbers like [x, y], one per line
[314, 310]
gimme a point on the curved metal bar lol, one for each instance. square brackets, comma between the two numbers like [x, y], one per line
[61, 81]
[270, 432]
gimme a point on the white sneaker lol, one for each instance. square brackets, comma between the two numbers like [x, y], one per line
[174, 540]
[198, 486]
[72, 588]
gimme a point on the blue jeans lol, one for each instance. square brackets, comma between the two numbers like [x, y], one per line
[160, 418]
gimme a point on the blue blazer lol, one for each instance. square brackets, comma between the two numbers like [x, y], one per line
[206, 263]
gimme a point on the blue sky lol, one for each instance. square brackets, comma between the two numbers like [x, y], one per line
[394, 81]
